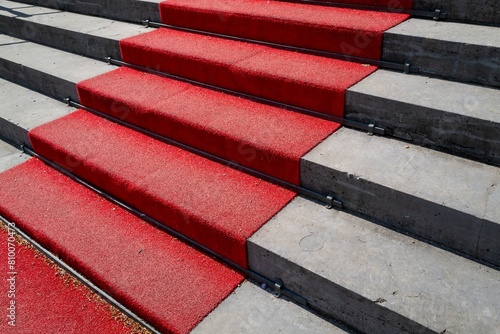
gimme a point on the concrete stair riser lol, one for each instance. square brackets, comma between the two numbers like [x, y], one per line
[418, 288]
[25, 112]
[454, 51]
[53, 73]
[123, 10]
[412, 189]
[373, 278]
[473, 11]
[452, 117]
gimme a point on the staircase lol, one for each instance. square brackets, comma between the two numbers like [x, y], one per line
[188, 156]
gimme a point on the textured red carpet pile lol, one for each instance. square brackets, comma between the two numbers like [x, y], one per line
[298, 79]
[216, 205]
[169, 284]
[264, 138]
[391, 5]
[41, 299]
[338, 30]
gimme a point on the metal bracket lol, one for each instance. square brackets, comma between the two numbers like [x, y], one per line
[407, 68]
[277, 287]
[145, 23]
[108, 60]
[68, 101]
[331, 202]
[371, 129]
[437, 14]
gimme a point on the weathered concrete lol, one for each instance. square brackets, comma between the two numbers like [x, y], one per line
[449, 200]
[462, 119]
[473, 11]
[10, 156]
[456, 51]
[46, 70]
[123, 10]
[85, 35]
[249, 309]
[22, 109]
[375, 279]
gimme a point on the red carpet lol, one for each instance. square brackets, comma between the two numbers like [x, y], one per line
[268, 139]
[206, 201]
[302, 80]
[43, 293]
[386, 4]
[169, 284]
[338, 30]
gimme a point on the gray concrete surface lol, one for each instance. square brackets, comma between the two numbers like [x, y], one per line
[123, 10]
[46, 70]
[456, 51]
[449, 200]
[459, 118]
[10, 156]
[474, 11]
[84, 35]
[249, 309]
[375, 279]
[22, 109]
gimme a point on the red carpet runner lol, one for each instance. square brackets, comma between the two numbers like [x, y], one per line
[39, 291]
[169, 284]
[255, 135]
[213, 204]
[338, 30]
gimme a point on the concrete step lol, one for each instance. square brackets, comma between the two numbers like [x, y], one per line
[250, 309]
[122, 10]
[457, 118]
[23, 109]
[452, 117]
[455, 51]
[472, 11]
[449, 200]
[80, 34]
[52, 72]
[372, 278]
[10, 156]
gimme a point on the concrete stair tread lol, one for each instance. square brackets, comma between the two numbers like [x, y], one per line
[456, 117]
[124, 10]
[10, 156]
[452, 97]
[315, 251]
[86, 35]
[24, 109]
[461, 207]
[477, 12]
[85, 24]
[456, 51]
[449, 32]
[249, 309]
[52, 72]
